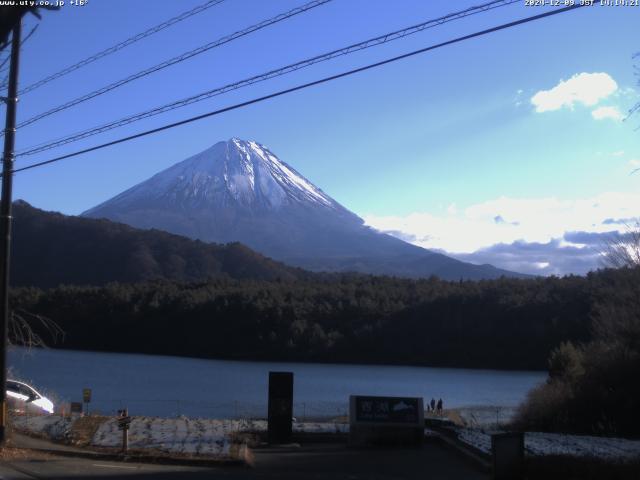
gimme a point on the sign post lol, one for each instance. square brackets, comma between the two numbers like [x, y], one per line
[86, 399]
[386, 420]
[280, 409]
[75, 407]
[124, 421]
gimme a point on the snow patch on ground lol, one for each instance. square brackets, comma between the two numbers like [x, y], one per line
[209, 437]
[194, 436]
[320, 427]
[51, 426]
[540, 444]
[183, 435]
[485, 416]
[175, 435]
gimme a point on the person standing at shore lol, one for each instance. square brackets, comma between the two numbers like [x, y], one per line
[439, 407]
[433, 404]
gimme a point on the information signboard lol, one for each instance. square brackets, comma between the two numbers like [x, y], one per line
[387, 410]
[386, 420]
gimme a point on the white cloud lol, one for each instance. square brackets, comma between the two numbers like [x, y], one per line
[612, 113]
[530, 220]
[634, 162]
[585, 88]
[619, 153]
[534, 235]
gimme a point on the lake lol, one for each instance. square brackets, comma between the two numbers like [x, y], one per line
[170, 386]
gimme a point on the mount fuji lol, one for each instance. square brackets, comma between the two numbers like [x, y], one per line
[240, 191]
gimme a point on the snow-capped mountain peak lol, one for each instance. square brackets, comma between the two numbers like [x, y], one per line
[239, 172]
[264, 165]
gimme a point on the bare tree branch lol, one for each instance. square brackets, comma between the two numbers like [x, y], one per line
[622, 250]
[24, 327]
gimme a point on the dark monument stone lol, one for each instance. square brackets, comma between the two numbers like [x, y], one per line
[280, 409]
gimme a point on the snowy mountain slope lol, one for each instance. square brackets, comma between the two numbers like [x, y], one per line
[244, 174]
[240, 191]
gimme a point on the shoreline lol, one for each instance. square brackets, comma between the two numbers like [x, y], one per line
[278, 362]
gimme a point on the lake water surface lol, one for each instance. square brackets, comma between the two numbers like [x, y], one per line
[169, 386]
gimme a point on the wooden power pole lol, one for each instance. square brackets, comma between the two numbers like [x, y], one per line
[5, 219]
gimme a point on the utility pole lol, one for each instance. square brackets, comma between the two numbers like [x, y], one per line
[5, 219]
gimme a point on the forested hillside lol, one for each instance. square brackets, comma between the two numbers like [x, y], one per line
[50, 249]
[505, 323]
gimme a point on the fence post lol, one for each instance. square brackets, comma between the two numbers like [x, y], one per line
[125, 433]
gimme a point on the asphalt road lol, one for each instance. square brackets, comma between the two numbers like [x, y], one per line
[317, 461]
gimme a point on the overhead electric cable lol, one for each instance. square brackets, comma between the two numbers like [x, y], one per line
[123, 44]
[24, 40]
[303, 86]
[180, 58]
[388, 37]
[3, 69]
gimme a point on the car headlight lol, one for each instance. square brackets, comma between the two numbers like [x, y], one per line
[47, 406]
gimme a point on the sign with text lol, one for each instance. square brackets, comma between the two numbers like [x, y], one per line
[76, 407]
[386, 420]
[86, 395]
[395, 410]
[124, 422]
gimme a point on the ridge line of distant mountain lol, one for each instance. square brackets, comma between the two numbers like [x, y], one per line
[50, 248]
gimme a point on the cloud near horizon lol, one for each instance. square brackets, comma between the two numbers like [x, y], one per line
[537, 235]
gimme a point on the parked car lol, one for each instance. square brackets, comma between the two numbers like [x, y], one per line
[24, 398]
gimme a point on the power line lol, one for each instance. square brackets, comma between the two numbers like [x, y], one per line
[303, 86]
[266, 76]
[180, 58]
[123, 44]
[2, 65]
[24, 40]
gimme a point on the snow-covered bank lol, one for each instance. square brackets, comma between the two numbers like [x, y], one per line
[182, 435]
[541, 444]
[54, 427]
[484, 416]
[206, 437]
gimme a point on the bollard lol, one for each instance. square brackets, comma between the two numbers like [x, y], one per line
[125, 439]
[507, 450]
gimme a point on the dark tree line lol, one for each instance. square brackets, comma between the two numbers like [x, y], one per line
[505, 323]
[593, 385]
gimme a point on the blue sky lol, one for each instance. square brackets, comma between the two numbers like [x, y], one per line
[494, 150]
